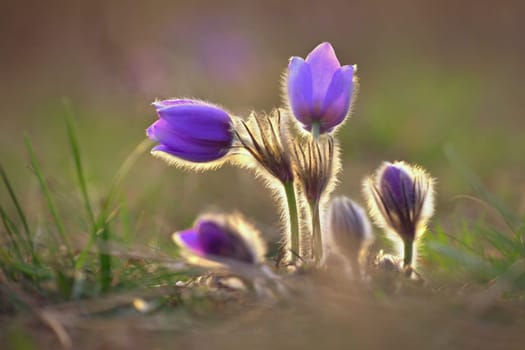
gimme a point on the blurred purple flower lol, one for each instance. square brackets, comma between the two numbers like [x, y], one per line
[349, 232]
[219, 237]
[191, 130]
[320, 89]
[348, 227]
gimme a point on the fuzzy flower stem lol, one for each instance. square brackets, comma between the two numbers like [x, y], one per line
[316, 130]
[293, 214]
[408, 253]
[317, 241]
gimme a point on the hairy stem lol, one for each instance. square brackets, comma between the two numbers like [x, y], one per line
[408, 246]
[317, 240]
[293, 216]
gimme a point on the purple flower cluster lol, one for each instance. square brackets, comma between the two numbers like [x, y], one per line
[302, 170]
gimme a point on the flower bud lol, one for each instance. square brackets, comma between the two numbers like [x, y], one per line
[316, 166]
[263, 138]
[401, 200]
[348, 229]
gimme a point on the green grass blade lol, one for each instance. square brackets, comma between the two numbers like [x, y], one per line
[47, 194]
[18, 207]
[9, 228]
[75, 149]
[105, 262]
[106, 214]
[510, 219]
[122, 172]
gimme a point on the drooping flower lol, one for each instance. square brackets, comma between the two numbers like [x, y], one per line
[320, 89]
[191, 132]
[401, 200]
[221, 240]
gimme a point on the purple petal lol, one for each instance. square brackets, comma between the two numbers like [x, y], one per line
[202, 157]
[189, 239]
[337, 100]
[323, 64]
[171, 102]
[165, 133]
[300, 89]
[397, 188]
[215, 240]
[202, 122]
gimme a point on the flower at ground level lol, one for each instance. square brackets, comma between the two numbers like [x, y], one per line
[401, 200]
[349, 232]
[320, 89]
[349, 229]
[191, 131]
[219, 238]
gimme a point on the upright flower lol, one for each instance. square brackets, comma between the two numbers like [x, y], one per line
[401, 200]
[221, 240]
[348, 230]
[191, 133]
[320, 89]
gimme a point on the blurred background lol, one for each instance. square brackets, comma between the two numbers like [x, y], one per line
[435, 76]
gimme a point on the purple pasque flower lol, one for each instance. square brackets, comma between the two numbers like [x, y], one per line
[191, 130]
[219, 238]
[348, 227]
[320, 89]
[348, 232]
[401, 200]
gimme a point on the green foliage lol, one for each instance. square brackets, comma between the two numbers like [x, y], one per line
[62, 268]
[480, 250]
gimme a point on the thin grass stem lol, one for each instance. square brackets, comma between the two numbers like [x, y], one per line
[28, 241]
[47, 194]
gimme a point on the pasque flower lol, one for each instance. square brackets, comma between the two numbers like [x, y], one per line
[320, 89]
[221, 239]
[401, 200]
[190, 131]
[348, 230]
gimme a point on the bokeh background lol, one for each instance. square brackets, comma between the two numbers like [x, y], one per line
[435, 76]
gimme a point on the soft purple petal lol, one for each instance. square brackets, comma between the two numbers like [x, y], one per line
[150, 132]
[397, 186]
[216, 240]
[199, 121]
[196, 157]
[171, 102]
[190, 240]
[185, 146]
[323, 64]
[300, 89]
[337, 100]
